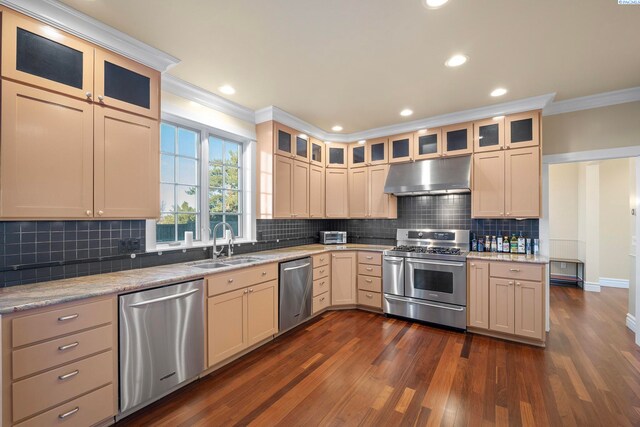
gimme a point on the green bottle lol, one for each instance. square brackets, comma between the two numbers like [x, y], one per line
[514, 244]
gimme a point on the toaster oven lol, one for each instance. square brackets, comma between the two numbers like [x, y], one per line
[333, 237]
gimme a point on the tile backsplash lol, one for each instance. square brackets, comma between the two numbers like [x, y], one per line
[47, 250]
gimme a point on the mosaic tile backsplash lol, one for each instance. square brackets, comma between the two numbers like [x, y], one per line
[47, 250]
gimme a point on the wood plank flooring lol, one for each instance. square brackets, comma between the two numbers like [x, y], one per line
[356, 368]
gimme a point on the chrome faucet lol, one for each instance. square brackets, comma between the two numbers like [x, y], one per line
[214, 250]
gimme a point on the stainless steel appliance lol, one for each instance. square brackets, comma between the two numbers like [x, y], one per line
[333, 237]
[161, 342]
[425, 276]
[435, 176]
[296, 292]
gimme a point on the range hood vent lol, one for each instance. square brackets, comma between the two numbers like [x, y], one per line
[437, 176]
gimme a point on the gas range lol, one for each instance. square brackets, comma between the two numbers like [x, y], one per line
[448, 245]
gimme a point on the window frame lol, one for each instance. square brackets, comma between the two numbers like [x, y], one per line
[248, 179]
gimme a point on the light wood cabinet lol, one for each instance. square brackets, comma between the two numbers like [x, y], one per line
[126, 165]
[428, 144]
[367, 197]
[401, 148]
[46, 155]
[227, 325]
[337, 155]
[457, 139]
[357, 155]
[488, 185]
[337, 194]
[291, 188]
[522, 130]
[317, 153]
[343, 278]
[377, 151]
[262, 311]
[370, 280]
[359, 192]
[522, 183]
[488, 135]
[478, 295]
[316, 191]
[501, 305]
[300, 190]
[528, 309]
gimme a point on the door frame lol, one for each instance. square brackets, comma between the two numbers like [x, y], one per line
[586, 156]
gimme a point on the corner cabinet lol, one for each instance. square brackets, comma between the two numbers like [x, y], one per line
[337, 193]
[343, 278]
[337, 155]
[316, 191]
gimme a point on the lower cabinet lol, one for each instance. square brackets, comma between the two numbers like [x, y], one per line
[507, 298]
[370, 279]
[343, 278]
[241, 318]
[321, 282]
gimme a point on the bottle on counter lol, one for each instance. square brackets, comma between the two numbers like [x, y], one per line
[505, 244]
[499, 241]
[474, 243]
[514, 244]
[528, 246]
[494, 244]
[536, 246]
[521, 244]
[487, 243]
[480, 244]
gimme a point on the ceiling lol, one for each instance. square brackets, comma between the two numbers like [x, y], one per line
[358, 63]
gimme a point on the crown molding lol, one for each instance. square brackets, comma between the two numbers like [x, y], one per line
[83, 26]
[195, 93]
[276, 114]
[593, 101]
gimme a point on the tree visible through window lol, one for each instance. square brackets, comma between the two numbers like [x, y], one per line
[225, 184]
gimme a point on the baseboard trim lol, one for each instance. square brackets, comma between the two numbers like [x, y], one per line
[591, 287]
[614, 283]
[631, 322]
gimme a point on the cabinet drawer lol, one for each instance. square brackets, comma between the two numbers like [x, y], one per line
[370, 270]
[48, 389]
[83, 411]
[241, 278]
[371, 299]
[321, 286]
[54, 323]
[320, 259]
[369, 283]
[513, 270]
[321, 302]
[370, 258]
[39, 357]
[320, 272]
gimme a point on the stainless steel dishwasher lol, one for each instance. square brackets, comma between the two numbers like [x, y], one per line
[161, 341]
[296, 292]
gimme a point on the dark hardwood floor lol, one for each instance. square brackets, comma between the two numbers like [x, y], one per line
[357, 368]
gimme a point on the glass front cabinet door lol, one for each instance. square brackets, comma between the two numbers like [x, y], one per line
[401, 148]
[428, 144]
[378, 151]
[488, 135]
[301, 147]
[357, 155]
[317, 153]
[522, 130]
[337, 155]
[457, 139]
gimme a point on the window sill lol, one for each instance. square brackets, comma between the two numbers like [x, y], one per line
[182, 247]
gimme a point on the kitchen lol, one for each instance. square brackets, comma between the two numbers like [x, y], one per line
[170, 255]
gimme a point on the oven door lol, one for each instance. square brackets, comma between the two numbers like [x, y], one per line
[443, 281]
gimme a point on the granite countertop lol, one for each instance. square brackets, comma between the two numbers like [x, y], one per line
[26, 297]
[497, 256]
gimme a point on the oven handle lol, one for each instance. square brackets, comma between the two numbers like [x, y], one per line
[400, 299]
[452, 264]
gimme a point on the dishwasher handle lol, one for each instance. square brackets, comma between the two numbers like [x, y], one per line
[166, 298]
[298, 267]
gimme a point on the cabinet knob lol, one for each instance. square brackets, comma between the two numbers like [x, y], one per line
[473, 265]
[517, 283]
[88, 95]
[508, 147]
[100, 213]
[508, 213]
[88, 213]
[264, 273]
[510, 283]
[245, 291]
[100, 98]
[502, 148]
[322, 299]
[230, 280]
[250, 290]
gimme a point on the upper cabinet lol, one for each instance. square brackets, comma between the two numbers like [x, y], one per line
[317, 152]
[357, 155]
[522, 130]
[378, 151]
[290, 143]
[428, 144]
[488, 135]
[457, 139]
[126, 85]
[337, 155]
[39, 55]
[401, 148]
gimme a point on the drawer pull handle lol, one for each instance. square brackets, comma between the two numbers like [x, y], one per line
[368, 280]
[322, 271]
[517, 270]
[369, 257]
[68, 414]
[68, 346]
[264, 273]
[322, 299]
[230, 280]
[369, 295]
[69, 317]
[69, 375]
[321, 283]
[369, 269]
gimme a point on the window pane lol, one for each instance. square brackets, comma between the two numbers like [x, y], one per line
[234, 222]
[215, 176]
[215, 150]
[232, 153]
[215, 201]
[231, 201]
[231, 178]
[166, 229]
[187, 198]
[167, 138]
[187, 223]
[187, 143]
[213, 220]
[187, 171]
[167, 198]
[167, 168]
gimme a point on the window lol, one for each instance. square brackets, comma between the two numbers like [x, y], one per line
[225, 185]
[179, 183]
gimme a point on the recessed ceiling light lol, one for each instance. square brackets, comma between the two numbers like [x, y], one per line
[456, 60]
[362, 141]
[227, 89]
[498, 92]
[496, 118]
[434, 4]
[336, 128]
[406, 112]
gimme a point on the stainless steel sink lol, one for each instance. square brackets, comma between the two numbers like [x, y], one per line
[210, 265]
[244, 260]
[226, 262]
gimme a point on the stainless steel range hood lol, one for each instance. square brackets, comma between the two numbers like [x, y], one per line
[436, 176]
